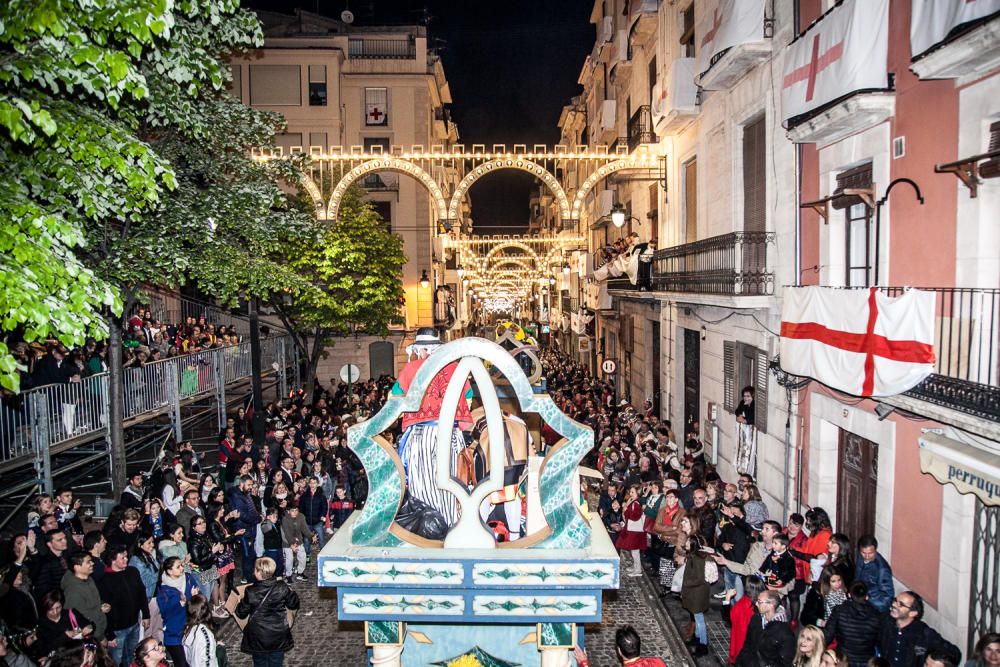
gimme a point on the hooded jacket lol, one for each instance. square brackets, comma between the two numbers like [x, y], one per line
[264, 605]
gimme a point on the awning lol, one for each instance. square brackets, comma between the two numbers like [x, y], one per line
[968, 468]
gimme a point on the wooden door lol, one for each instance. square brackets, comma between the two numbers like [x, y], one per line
[857, 485]
[692, 380]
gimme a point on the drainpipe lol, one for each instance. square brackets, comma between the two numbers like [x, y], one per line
[788, 450]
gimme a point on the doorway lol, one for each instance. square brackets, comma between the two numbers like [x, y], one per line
[382, 359]
[692, 379]
[857, 485]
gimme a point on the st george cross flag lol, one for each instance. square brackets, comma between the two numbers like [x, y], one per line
[842, 53]
[858, 341]
[731, 23]
[932, 20]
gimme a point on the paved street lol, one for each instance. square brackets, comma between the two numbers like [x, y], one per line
[321, 639]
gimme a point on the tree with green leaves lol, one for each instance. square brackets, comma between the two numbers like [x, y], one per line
[355, 266]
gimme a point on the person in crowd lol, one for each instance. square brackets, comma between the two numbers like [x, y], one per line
[754, 510]
[695, 594]
[701, 510]
[778, 570]
[123, 591]
[809, 647]
[759, 551]
[127, 529]
[190, 509]
[50, 567]
[834, 657]
[632, 538]
[225, 560]
[203, 553]
[855, 625]
[96, 544]
[81, 592]
[267, 635]
[247, 518]
[940, 658]
[314, 506]
[150, 653]
[58, 624]
[295, 534]
[199, 641]
[769, 640]
[176, 587]
[734, 544]
[833, 592]
[341, 508]
[873, 569]
[740, 614]
[144, 559]
[986, 653]
[628, 647]
[906, 640]
[174, 545]
[134, 495]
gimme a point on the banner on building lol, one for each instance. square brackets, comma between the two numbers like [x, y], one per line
[969, 469]
[861, 342]
[932, 20]
[843, 53]
[677, 93]
[731, 23]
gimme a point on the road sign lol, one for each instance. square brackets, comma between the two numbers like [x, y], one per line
[609, 366]
[350, 373]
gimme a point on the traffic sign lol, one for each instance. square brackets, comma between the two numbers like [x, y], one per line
[609, 366]
[350, 373]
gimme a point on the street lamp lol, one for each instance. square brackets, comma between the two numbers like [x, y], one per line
[618, 215]
[460, 271]
[465, 282]
[552, 280]
[424, 280]
[566, 268]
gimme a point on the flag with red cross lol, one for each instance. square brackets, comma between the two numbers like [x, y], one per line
[859, 341]
[933, 20]
[842, 53]
[729, 23]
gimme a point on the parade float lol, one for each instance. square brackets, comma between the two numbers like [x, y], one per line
[509, 565]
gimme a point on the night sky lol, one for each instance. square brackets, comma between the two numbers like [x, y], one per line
[511, 65]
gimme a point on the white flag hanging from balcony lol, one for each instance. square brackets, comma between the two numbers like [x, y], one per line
[861, 342]
[932, 20]
[843, 53]
[731, 23]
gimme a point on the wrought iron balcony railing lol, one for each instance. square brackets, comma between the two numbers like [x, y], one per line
[381, 49]
[640, 128]
[732, 264]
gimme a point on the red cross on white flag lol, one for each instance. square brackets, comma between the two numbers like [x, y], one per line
[376, 116]
[729, 24]
[842, 53]
[858, 341]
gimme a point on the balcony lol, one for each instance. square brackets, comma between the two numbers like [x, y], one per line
[850, 115]
[642, 15]
[364, 48]
[967, 346]
[675, 98]
[967, 55]
[640, 128]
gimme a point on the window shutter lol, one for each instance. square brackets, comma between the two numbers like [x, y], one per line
[754, 178]
[991, 168]
[857, 178]
[760, 392]
[729, 375]
[275, 85]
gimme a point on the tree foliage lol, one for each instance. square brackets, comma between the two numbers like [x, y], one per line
[355, 268]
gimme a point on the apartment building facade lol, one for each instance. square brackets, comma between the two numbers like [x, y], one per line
[364, 89]
[845, 144]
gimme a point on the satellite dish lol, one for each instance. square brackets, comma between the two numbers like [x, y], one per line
[347, 16]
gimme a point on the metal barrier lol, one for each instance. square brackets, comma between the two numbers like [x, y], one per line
[37, 420]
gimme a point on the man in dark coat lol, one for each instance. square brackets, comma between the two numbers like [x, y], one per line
[769, 642]
[906, 640]
[855, 625]
[48, 569]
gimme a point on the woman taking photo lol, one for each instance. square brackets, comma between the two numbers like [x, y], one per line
[203, 552]
[225, 560]
[199, 640]
[175, 589]
[267, 635]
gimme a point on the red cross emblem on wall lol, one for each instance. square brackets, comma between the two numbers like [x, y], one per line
[376, 114]
[716, 22]
[817, 63]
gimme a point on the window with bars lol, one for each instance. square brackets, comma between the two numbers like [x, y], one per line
[754, 177]
[376, 107]
[742, 366]
[857, 225]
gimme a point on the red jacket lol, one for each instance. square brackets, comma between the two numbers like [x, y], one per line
[740, 616]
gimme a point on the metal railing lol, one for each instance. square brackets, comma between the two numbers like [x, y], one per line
[640, 128]
[33, 422]
[172, 308]
[730, 264]
[381, 49]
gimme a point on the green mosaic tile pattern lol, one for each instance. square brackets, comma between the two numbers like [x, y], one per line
[404, 604]
[555, 634]
[542, 574]
[383, 632]
[569, 529]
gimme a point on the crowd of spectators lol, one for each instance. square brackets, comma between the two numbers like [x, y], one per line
[147, 584]
[793, 593]
[145, 339]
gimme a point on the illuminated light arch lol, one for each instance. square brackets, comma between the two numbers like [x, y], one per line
[512, 162]
[512, 261]
[317, 197]
[388, 164]
[524, 247]
[599, 174]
